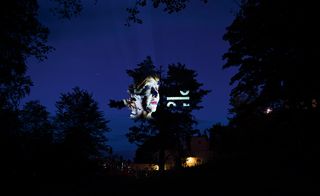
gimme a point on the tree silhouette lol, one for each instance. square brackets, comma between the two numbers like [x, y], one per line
[37, 137]
[81, 128]
[36, 121]
[147, 151]
[175, 124]
[169, 6]
[267, 45]
[22, 36]
[275, 98]
[171, 127]
[180, 78]
[66, 9]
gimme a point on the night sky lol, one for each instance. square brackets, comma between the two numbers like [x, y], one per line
[94, 51]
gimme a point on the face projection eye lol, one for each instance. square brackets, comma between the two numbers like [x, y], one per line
[145, 89]
[154, 92]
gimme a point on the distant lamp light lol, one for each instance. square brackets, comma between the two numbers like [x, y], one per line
[155, 167]
[191, 161]
[314, 103]
[268, 111]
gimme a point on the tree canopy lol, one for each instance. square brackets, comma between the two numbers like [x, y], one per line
[81, 125]
[276, 89]
[169, 6]
[21, 36]
[171, 126]
[268, 46]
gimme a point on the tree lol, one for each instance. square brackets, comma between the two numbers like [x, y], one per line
[267, 45]
[37, 137]
[170, 6]
[275, 98]
[35, 119]
[176, 123]
[224, 141]
[171, 127]
[66, 9]
[142, 132]
[147, 151]
[81, 127]
[180, 78]
[22, 36]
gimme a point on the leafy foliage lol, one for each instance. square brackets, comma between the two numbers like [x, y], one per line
[170, 128]
[36, 121]
[81, 125]
[276, 94]
[66, 9]
[36, 137]
[143, 70]
[21, 36]
[268, 47]
[170, 6]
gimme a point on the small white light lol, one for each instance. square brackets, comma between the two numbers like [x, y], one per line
[269, 110]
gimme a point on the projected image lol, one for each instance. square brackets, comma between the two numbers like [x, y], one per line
[144, 98]
[143, 95]
[185, 98]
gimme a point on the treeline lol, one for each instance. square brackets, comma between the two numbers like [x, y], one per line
[273, 127]
[71, 143]
[270, 142]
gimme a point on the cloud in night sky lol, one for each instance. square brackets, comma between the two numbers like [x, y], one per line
[94, 51]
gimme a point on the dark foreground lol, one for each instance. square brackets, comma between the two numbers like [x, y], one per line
[219, 178]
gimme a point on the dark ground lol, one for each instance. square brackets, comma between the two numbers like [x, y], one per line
[218, 178]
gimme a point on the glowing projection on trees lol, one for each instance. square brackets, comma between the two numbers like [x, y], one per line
[184, 98]
[144, 98]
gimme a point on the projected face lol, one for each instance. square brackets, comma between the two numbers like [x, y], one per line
[135, 104]
[145, 98]
[150, 92]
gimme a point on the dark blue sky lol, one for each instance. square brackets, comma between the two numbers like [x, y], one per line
[94, 51]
